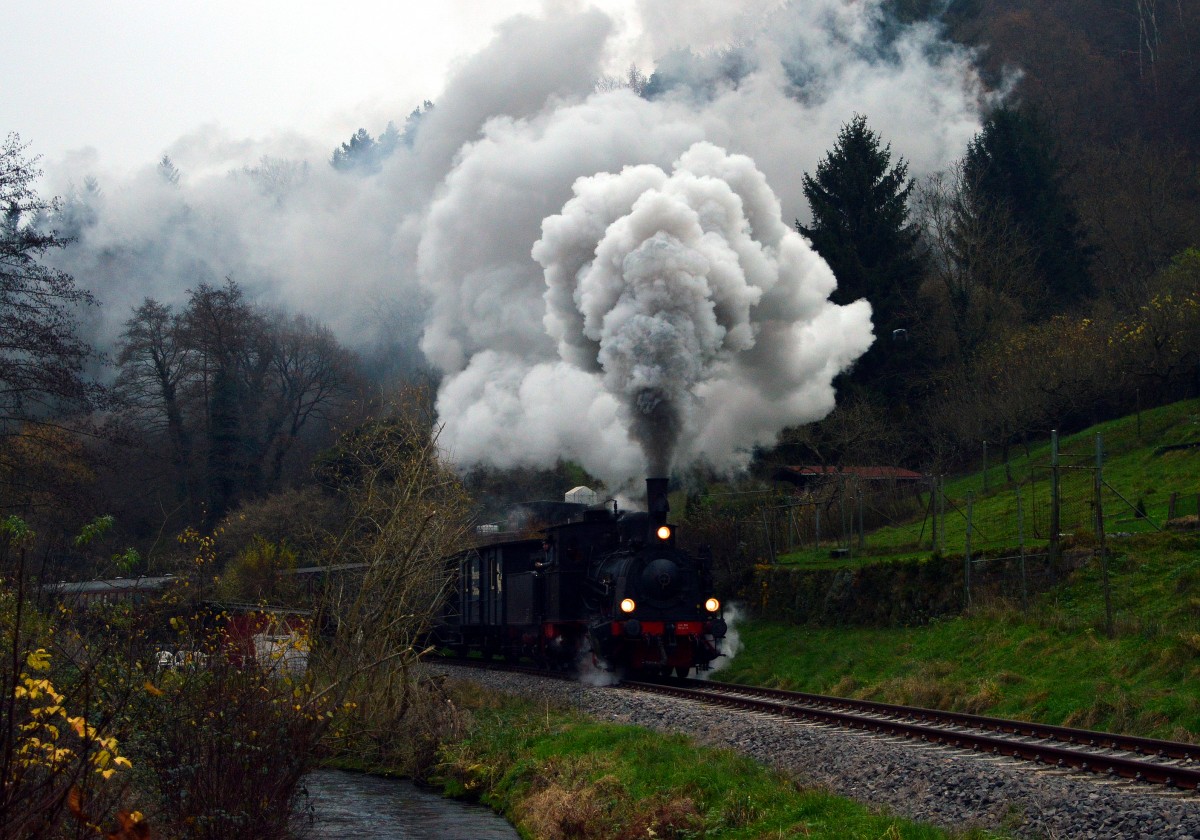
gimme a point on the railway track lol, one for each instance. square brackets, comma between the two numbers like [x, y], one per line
[1148, 760]
[1153, 761]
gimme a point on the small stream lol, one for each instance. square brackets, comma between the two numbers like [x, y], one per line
[355, 805]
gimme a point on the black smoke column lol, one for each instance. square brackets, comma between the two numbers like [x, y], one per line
[656, 502]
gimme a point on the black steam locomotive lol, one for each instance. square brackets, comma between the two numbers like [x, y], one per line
[607, 583]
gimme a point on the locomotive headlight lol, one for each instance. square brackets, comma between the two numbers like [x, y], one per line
[712, 605]
[627, 605]
[664, 532]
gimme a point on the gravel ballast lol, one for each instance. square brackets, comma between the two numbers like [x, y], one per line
[947, 787]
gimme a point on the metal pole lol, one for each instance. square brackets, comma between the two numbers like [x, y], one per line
[769, 536]
[862, 534]
[941, 501]
[817, 508]
[985, 482]
[967, 555]
[1021, 542]
[842, 515]
[941, 513]
[1054, 509]
[1108, 609]
[933, 513]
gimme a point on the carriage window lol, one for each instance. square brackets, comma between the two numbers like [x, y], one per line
[473, 578]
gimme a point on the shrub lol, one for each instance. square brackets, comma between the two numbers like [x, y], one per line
[225, 743]
[254, 574]
[61, 766]
[300, 517]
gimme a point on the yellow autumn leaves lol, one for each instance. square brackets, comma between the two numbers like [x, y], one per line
[41, 737]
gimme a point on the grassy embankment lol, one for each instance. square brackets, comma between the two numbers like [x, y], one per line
[1145, 461]
[1054, 661]
[557, 774]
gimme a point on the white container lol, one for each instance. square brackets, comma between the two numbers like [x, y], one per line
[581, 496]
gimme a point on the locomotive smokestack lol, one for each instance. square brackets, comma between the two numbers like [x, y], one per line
[656, 501]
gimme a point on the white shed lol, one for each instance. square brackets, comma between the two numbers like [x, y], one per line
[581, 496]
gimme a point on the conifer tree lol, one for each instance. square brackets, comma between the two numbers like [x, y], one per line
[860, 223]
[361, 153]
[1013, 167]
[860, 226]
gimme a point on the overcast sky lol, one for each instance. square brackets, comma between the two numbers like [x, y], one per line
[128, 78]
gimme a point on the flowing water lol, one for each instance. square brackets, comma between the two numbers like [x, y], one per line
[354, 805]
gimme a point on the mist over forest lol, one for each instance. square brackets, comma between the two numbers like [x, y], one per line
[837, 233]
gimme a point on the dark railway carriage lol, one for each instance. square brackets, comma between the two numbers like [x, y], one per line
[606, 581]
[494, 604]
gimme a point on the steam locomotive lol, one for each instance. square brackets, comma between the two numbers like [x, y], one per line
[606, 583]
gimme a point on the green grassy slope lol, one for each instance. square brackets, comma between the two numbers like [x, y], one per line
[1054, 661]
[1146, 460]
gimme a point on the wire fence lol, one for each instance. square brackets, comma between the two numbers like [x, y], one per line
[1036, 503]
[1010, 523]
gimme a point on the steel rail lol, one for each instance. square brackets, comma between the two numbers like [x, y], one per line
[1050, 732]
[791, 704]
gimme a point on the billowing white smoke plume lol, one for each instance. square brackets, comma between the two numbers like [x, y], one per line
[689, 321]
[434, 248]
[661, 287]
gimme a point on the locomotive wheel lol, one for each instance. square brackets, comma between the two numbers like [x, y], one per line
[681, 671]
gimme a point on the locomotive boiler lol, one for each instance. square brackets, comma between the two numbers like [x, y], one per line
[606, 583]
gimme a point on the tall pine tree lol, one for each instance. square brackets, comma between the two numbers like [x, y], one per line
[860, 227]
[1013, 168]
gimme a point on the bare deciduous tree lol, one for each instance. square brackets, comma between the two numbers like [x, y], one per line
[233, 387]
[314, 376]
[41, 357]
[407, 512]
[980, 267]
[1136, 200]
[155, 366]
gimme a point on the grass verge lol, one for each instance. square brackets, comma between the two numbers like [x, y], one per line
[558, 774]
[1053, 663]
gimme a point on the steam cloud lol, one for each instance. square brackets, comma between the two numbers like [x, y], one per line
[660, 287]
[731, 645]
[665, 276]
